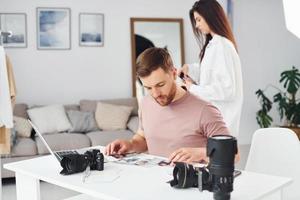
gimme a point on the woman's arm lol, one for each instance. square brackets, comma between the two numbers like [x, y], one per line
[218, 75]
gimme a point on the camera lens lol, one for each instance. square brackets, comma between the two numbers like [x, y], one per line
[184, 176]
[221, 196]
[222, 137]
[73, 163]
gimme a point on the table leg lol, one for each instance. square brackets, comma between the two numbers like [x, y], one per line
[27, 187]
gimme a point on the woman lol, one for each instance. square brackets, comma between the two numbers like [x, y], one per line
[218, 78]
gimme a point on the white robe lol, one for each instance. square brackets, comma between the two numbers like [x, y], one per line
[220, 80]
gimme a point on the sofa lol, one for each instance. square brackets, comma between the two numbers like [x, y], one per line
[31, 147]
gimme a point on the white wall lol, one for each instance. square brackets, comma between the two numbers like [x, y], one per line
[266, 49]
[66, 76]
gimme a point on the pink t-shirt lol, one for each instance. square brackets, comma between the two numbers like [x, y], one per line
[186, 122]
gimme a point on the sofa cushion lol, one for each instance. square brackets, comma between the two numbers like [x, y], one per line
[22, 127]
[24, 147]
[105, 137]
[20, 110]
[62, 141]
[91, 105]
[13, 137]
[133, 124]
[112, 117]
[82, 121]
[50, 119]
[67, 106]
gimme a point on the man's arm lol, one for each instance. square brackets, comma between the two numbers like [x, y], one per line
[138, 142]
[189, 155]
[192, 155]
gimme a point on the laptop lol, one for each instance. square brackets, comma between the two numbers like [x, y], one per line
[57, 154]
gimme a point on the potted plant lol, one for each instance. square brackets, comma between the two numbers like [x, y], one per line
[288, 104]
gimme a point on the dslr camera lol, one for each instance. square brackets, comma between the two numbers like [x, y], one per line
[218, 176]
[74, 163]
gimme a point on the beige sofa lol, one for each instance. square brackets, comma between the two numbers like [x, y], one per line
[26, 148]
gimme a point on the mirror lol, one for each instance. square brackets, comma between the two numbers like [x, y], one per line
[158, 32]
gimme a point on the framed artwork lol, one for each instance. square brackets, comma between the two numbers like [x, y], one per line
[91, 29]
[17, 24]
[53, 28]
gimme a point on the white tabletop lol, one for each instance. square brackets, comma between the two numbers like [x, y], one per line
[119, 181]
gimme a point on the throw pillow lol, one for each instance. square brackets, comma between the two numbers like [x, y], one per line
[50, 119]
[91, 105]
[82, 121]
[13, 138]
[20, 110]
[133, 124]
[112, 117]
[22, 127]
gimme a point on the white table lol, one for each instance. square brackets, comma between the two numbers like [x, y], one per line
[131, 182]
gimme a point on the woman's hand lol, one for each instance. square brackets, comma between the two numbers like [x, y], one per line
[188, 82]
[184, 69]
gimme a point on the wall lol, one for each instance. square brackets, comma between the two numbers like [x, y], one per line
[265, 46]
[66, 76]
[266, 49]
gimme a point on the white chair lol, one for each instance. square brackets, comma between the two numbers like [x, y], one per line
[276, 151]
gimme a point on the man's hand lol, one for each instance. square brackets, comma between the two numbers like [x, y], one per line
[189, 155]
[118, 147]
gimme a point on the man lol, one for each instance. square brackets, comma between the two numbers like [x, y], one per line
[173, 122]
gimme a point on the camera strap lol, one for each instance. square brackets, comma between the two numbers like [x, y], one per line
[86, 174]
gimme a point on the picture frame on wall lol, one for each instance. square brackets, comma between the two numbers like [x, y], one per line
[91, 29]
[53, 28]
[17, 24]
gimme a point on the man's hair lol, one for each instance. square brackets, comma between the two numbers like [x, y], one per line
[152, 59]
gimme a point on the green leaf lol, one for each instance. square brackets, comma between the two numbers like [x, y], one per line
[263, 119]
[291, 80]
[264, 101]
[282, 104]
[288, 105]
[290, 111]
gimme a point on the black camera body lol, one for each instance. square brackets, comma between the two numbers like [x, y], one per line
[96, 159]
[218, 176]
[74, 163]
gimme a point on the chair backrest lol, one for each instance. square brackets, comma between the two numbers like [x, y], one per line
[276, 151]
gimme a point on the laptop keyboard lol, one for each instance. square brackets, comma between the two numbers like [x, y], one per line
[64, 153]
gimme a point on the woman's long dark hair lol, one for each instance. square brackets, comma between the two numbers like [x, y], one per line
[215, 18]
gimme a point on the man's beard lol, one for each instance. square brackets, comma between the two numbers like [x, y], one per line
[165, 100]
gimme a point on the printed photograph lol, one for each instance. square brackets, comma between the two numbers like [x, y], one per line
[16, 23]
[53, 28]
[141, 160]
[91, 29]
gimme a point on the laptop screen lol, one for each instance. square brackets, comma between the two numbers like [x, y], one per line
[41, 137]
